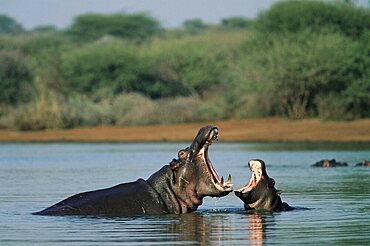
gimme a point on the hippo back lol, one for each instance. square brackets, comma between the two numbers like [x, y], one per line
[126, 199]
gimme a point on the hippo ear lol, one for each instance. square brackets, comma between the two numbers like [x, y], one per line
[183, 154]
[175, 164]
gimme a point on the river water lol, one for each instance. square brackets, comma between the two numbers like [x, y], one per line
[333, 203]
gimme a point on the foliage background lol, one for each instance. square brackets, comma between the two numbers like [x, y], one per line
[298, 59]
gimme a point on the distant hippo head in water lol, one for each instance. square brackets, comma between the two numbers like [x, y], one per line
[176, 188]
[260, 191]
[330, 163]
[365, 163]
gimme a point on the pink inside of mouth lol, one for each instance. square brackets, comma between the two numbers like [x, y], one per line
[256, 169]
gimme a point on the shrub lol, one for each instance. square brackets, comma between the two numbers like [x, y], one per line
[332, 107]
[108, 68]
[9, 25]
[291, 70]
[295, 16]
[132, 109]
[137, 27]
[236, 22]
[136, 109]
[16, 83]
[196, 63]
[42, 112]
[99, 66]
[78, 110]
[194, 26]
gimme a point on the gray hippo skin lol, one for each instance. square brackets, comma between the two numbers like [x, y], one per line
[365, 163]
[175, 189]
[329, 163]
[260, 193]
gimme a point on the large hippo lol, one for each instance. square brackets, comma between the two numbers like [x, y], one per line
[260, 193]
[175, 189]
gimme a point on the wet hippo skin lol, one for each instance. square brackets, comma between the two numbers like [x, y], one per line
[330, 163]
[365, 163]
[260, 192]
[178, 187]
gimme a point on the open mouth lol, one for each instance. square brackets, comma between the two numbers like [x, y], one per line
[256, 167]
[203, 155]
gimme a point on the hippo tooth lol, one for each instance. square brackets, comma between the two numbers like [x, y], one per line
[228, 181]
[222, 179]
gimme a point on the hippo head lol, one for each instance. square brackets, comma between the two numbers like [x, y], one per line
[259, 192]
[193, 175]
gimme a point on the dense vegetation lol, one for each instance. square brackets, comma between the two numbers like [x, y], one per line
[298, 59]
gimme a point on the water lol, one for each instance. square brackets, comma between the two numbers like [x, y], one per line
[35, 176]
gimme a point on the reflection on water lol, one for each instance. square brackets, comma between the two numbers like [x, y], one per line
[255, 229]
[197, 228]
[202, 228]
[34, 176]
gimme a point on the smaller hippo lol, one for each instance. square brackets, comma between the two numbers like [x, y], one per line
[365, 163]
[330, 163]
[260, 193]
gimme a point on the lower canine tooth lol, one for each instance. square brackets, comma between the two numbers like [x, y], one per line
[228, 181]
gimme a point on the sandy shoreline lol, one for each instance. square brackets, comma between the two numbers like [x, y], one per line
[251, 130]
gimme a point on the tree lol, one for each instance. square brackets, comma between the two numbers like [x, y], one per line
[295, 16]
[137, 27]
[45, 28]
[9, 25]
[235, 23]
[15, 78]
[194, 26]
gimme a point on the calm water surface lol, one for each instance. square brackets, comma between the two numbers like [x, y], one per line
[35, 176]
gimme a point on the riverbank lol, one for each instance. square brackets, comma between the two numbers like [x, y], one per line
[251, 130]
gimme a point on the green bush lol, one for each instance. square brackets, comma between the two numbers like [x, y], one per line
[295, 16]
[290, 71]
[194, 26]
[108, 68]
[236, 22]
[196, 64]
[9, 25]
[138, 27]
[100, 66]
[354, 98]
[16, 83]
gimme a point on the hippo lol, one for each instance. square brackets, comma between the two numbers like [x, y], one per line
[365, 163]
[260, 193]
[176, 188]
[330, 163]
